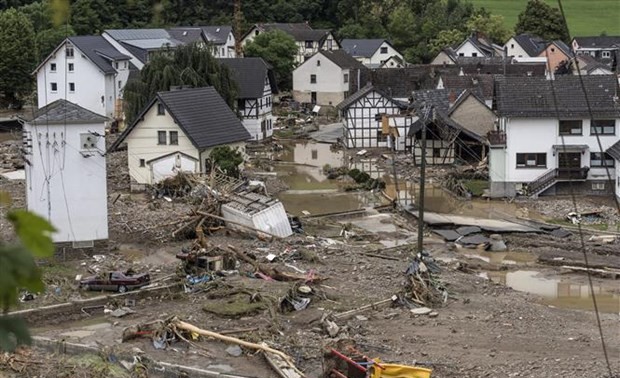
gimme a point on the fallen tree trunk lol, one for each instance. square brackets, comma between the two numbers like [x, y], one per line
[229, 339]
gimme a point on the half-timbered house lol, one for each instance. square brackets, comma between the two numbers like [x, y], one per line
[256, 84]
[362, 114]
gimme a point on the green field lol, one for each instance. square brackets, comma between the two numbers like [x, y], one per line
[585, 17]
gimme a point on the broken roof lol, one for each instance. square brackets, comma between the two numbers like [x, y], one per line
[482, 85]
[201, 113]
[537, 96]
[250, 75]
[362, 47]
[62, 111]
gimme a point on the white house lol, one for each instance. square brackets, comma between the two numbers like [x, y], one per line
[614, 152]
[256, 84]
[362, 114]
[477, 46]
[309, 41]
[604, 47]
[140, 44]
[546, 140]
[85, 70]
[177, 131]
[64, 149]
[326, 78]
[220, 38]
[372, 53]
[524, 45]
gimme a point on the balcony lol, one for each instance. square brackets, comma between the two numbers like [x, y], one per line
[497, 138]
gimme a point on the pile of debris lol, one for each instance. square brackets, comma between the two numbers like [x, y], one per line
[11, 156]
[588, 212]
[422, 286]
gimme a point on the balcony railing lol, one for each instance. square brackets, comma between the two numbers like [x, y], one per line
[497, 138]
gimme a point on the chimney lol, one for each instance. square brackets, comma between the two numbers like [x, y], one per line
[452, 97]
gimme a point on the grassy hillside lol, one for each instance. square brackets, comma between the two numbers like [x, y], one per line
[585, 17]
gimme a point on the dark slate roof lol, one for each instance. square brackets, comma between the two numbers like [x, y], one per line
[482, 85]
[532, 45]
[299, 31]
[599, 42]
[400, 82]
[62, 111]
[131, 34]
[536, 96]
[361, 47]
[250, 74]
[481, 43]
[439, 98]
[564, 47]
[98, 50]
[139, 53]
[186, 34]
[614, 150]
[342, 59]
[511, 69]
[201, 113]
[218, 35]
[363, 92]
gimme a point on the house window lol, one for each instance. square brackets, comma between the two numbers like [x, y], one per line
[346, 78]
[53, 67]
[161, 137]
[160, 109]
[436, 152]
[603, 127]
[241, 104]
[571, 127]
[318, 63]
[312, 79]
[606, 54]
[381, 137]
[461, 54]
[70, 67]
[384, 50]
[309, 44]
[54, 87]
[142, 163]
[116, 65]
[174, 138]
[598, 186]
[315, 154]
[598, 159]
[379, 116]
[474, 54]
[512, 45]
[552, 49]
[124, 64]
[69, 52]
[71, 87]
[120, 84]
[532, 160]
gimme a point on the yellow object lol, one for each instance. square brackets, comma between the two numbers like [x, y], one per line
[399, 371]
[385, 125]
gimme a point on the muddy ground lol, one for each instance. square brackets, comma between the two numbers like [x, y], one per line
[486, 329]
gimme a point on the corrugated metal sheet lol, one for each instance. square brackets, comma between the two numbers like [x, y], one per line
[272, 219]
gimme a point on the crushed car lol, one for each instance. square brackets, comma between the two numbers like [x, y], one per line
[115, 281]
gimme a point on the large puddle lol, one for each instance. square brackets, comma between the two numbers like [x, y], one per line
[560, 292]
[301, 167]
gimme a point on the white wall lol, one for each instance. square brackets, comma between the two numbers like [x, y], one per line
[468, 49]
[514, 49]
[377, 58]
[329, 77]
[89, 82]
[142, 144]
[441, 59]
[539, 135]
[75, 201]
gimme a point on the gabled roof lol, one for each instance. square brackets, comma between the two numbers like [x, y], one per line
[481, 84]
[299, 31]
[480, 43]
[362, 47]
[531, 44]
[218, 35]
[563, 47]
[598, 42]
[464, 96]
[140, 54]
[536, 97]
[62, 111]
[201, 113]
[614, 150]
[131, 34]
[96, 48]
[341, 59]
[186, 34]
[363, 92]
[400, 82]
[250, 75]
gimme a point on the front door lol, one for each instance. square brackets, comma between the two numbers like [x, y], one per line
[263, 128]
[313, 98]
[569, 164]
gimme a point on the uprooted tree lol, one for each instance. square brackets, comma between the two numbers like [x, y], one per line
[19, 270]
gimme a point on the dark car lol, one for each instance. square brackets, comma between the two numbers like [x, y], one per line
[116, 281]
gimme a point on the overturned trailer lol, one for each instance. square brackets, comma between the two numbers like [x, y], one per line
[257, 211]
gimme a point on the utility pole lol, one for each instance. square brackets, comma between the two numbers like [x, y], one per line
[238, 19]
[422, 179]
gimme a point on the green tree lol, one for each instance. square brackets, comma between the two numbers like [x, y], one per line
[17, 55]
[278, 49]
[18, 270]
[48, 40]
[491, 25]
[542, 20]
[446, 38]
[84, 18]
[189, 65]
[227, 159]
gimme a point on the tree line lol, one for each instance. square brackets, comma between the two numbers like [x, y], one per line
[30, 30]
